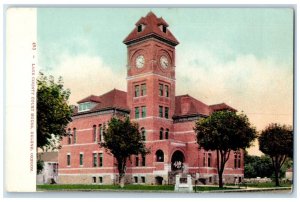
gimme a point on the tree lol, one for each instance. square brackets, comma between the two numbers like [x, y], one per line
[53, 111]
[257, 166]
[122, 138]
[223, 132]
[277, 142]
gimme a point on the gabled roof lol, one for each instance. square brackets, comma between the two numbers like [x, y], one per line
[112, 99]
[185, 105]
[151, 29]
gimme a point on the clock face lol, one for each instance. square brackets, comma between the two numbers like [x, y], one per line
[140, 61]
[164, 62]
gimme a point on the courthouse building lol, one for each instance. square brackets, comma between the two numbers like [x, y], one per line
[166, 121]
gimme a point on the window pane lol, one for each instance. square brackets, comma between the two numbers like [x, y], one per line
[94, 133]
[160, 111]
[136, 161]
[166, 112]
[137, 112]
[74, 135]
[167, 91]
[167, 133]
[143, 134]
[161, 90]
[100, 159]
[94, 159]
[161, 133]
[137, 91]
[144, 90]
[68, 159]
[144, 112]
[143, 161]
[81, 159]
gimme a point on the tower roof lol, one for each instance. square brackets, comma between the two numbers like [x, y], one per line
[152, 26]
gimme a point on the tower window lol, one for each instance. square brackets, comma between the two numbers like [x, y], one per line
[69, 136]
[166, 112]
[140, 28]
[94, 159]
[161, 133]
[144, 90]
[144, 112]
[160, 111]
[161, 90]
[137, 112]
[167, 134]
[136, 91]
[167, 91]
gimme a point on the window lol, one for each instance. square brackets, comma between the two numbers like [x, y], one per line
[81, 159]
[85, 106]
[144, 112]
[161, 90]
[68, 160]
[237, 160]
[209, 160]
[160, 111]
[166, 112]
[136, 91]
[144, 90]
[136, 160]
[140, 28]
[161, 133]
[94, 133]
[100, 159]
[210, 179]
[167, 134]
[94, 159]
[167, 90]
[143, 179]
[164, 29]
[69, 136]
[204, 160]
[74, 136]
[94, 179]
[143, 161]
[159, 156]
[100, 180]
[137, 112]
[135, 179]
[143, 134]
[100, 132]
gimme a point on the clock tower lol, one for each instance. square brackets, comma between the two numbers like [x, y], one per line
[151, 74]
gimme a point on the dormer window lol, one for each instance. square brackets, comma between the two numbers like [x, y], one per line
[164, 29]
[86, 106]
[140, 28]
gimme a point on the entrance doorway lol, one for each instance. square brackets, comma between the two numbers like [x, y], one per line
[177, 161]
[158, 180]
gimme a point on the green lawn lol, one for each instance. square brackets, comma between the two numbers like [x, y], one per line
[267, 185]
[127, 187]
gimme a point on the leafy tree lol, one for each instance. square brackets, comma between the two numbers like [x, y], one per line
[53, 111]
[257, 166]
[224, 131]
[40, 166]
[277, 142]
[122, 138]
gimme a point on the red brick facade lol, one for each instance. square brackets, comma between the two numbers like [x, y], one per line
[166, 119]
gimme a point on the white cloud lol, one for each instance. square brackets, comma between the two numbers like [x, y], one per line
[85, 75]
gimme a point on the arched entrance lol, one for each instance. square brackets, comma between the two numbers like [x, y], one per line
[158, 180]
[177, 161]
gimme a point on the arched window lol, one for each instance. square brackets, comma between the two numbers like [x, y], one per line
[161, 133]
[69, 136]
[237, 159]
[94, 133]
[143, 134]
[167, 134]
[159, 156]
[74, 135]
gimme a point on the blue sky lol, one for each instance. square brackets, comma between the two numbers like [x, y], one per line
[240, 56]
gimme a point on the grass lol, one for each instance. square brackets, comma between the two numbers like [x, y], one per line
[267, 185]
